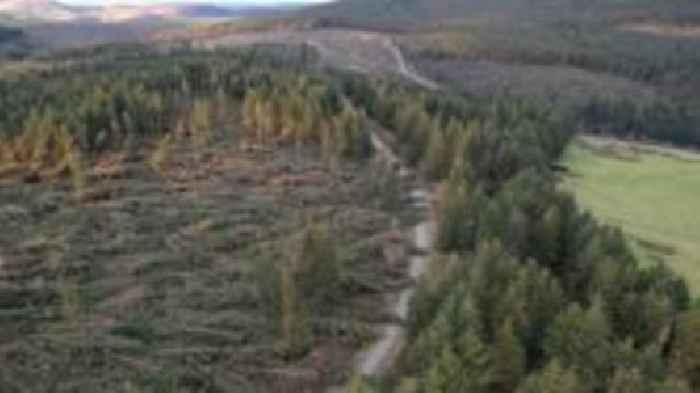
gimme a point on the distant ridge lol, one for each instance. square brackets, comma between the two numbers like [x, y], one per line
[37, 9]
[55, 11]
[422, 11]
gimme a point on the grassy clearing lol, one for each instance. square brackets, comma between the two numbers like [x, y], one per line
[651, 193]
[164, 280]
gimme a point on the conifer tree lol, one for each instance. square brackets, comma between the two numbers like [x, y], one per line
[554, 379]
[456, 231]
[581, 339]
[508, 359]
[673, 385]
[295, 329]
[629, 381]
[317, 268]
[437, 159]
[201, 123]
[686, 348]
[464, 368]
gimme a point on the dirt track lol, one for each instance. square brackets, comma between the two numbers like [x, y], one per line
[380, 356]
[369, 53]
[359, 51]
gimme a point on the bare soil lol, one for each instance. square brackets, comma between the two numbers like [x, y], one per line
[663, 29]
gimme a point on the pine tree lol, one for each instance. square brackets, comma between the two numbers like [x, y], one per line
[508, 359]
[554, 379]
[295, 329]
[317, 268]
[581, 339]
[673, 385]
[686, 348]
[629, 381]
[201, 123]
[444, 376]
[437, 160]
[455, 230]
[465, 368]
[476, 364]
[250, 105]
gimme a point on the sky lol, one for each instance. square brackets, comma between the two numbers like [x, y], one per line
[231, 2]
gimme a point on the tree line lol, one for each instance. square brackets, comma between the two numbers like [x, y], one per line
[121, 98]
[529, 292]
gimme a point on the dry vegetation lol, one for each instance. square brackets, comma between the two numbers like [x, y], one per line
[170, 280]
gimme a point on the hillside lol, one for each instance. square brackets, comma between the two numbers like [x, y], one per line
[37, 10]
[13, 42]
[9, 34]
[55, 11]
[431, 11]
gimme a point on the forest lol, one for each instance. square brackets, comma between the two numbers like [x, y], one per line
[527, 291]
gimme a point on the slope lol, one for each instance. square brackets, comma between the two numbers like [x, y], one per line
[429, 11]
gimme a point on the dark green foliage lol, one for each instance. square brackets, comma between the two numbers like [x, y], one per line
[316, 269]
[668, 121]
[485, 141]
[686, 348]
[581, 340]
[461, 367]
[457, 229]
[559, 299]
[554, 379]
[508, 359]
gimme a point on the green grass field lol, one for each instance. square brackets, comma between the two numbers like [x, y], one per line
[651, 193]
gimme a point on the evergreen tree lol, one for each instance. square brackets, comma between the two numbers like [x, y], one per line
[317, 269]
[673, 385]
[465, 368]
[201, 123]
[554, 379]
[508, 359]
[581, 339]
[686, 348]
[629, 381]
[295, 329]
[437, 159]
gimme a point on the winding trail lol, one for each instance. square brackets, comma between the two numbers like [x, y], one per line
[380, 356]
[359, 51]
[369, 52]
[405, 70]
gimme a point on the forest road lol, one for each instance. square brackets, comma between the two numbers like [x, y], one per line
[379, 357]
[359, 51]
[368, 53]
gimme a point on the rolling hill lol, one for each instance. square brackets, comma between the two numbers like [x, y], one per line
[54, 11]
[422, 11]
[9, 34]
[37, 10]
[12, 41]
